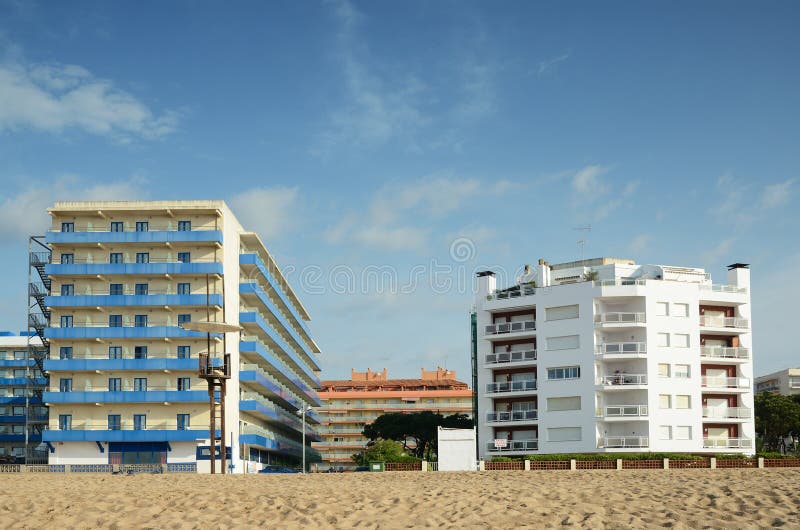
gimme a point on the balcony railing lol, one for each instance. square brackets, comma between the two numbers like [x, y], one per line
[712, 381]
[516, 415]
[619, 318]
[516, 293]
[127, 426]
[510, 327]
[106, 261]
[727, 413]
[622, 410]
[125, 324]
[511, 386]
[724, 352]
[622, 379]
[514, 445]
[728, 443]
[724, 322]
[151, 228]
[718, 288]
[127, 355]
[510, 356]
[619, 282]
[130, 291]
[614, 348]
[624, 441]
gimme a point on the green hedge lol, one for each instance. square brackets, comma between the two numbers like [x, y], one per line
[612, 456]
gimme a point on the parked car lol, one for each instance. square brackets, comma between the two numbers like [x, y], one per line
[278, 469]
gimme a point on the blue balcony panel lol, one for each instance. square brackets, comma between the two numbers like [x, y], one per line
[268, 387]
[57, 269]
[20, 381]
[151, 332]
[15, 363]
[125, 436]
[254, 347]
[20, 438]
[155, 236]
[251, 317]
[250, 288]
[82, 365]
[148, 396]
[18, 400]
[132, 300]
[256, 441]
[12, 419]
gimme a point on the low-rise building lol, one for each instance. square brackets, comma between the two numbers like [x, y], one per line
[786, 382]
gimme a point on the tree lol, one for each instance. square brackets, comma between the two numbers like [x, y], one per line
[419, 428]
[383, 451]
[776, 417]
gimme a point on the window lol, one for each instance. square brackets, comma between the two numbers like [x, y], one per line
[680, 340]
[683, 402]
[561, 313]
[662, 339]
[184, 288]
[682, 371]
[683, 432]
[184, 383]
[139, 422]
[65, 422]
[564, 434]
[142, 257]
[184, 226]
[140, 384]
[664, 432]
[67, 227]
[664, 401]
[564, 403]
[184, 352]
[141, 289]
[67, 259]
[184, 257]
[142, 226]
[140, 352]
[569, 342]
[18, 392]
[183, 422]
[663, 370]
[115, 352]
[662, 309]
[65, 352]
[115, 289]
[566, 372]
[140, 321]
[184, 318]
[115, 321]
[114, 384]
[20, 355]
[680, 310]
[68, 289]
[117, 226]
[115, 257]
[66, 321]
[65, 384]
[114, 422]
[19, 372]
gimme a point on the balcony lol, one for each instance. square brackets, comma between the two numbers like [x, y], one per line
[619, 319]
[724, 322]
[511, 386]
[728, 443]
[155, 266]
[521, 356]
[100, 361]
[623, 442]
[504, 446]
[725, 383]
[622, 380]
[620, 282]
[510, 327]
[512, 293]
[513, 416]
[719, 288]
[732, 413]
[154, 328]
[125, 432]
[622, 411]
[85, 235]
[622, 349]
[151, 395]
[725, 353]
[152, 299]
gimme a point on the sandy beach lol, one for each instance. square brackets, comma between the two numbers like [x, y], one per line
[691, 498]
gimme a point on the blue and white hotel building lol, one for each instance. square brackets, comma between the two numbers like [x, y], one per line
[124, 385]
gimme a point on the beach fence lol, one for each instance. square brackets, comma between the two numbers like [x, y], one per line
[188, 467]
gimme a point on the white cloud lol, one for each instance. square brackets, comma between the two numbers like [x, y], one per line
[587, 181]
[392, 238]
[713, 255]
[268, 211]
[639, 243]
[774, 195]
[544, 66]
[24, 214]
[56, 97]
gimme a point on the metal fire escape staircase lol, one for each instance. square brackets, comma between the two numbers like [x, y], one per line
[39, 285]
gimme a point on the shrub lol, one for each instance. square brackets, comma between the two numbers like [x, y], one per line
[612, 456]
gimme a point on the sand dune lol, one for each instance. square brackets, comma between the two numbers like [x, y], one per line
[691, 498]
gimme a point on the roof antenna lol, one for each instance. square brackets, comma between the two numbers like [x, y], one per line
[582, 241]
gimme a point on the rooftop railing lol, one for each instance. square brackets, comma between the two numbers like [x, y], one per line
[515, 415]
[615, 348]
[724, 352]
[727, 412]
[619, 282]
[622, 379]
[510, 357]
[728, 443]
[512, 293]
[624, 441]
[511, 386]
[510, 327]
[724, 322]
[719, 288]
[619, 318]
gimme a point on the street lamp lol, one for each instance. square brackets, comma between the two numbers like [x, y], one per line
[302, 413]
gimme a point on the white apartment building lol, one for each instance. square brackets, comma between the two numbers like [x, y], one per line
[119, 280]
[786, 382]
[605, 355]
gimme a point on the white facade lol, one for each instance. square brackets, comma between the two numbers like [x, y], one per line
[456, 449]
[605, 355]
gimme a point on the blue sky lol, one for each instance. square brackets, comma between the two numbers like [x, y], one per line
[394, 136]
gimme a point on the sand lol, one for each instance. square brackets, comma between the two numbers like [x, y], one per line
[687, 498]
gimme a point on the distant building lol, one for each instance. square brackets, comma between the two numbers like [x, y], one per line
[786, 382]
[21, 409]
[348, 405]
